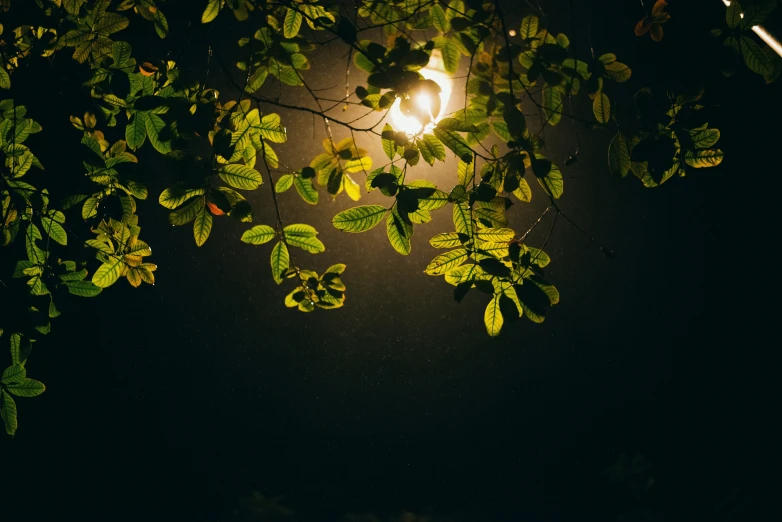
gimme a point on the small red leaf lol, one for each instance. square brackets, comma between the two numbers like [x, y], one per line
[214, 209]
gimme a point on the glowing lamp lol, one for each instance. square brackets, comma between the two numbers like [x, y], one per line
[763, 34]
[434, 71]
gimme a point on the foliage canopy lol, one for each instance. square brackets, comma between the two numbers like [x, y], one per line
[153, 106]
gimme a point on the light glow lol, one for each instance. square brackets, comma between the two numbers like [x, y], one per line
[763, 34]
[409, 124]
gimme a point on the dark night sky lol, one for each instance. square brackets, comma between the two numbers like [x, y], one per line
[191, 394]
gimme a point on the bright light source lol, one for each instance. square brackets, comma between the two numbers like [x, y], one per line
[433, 71]
[763, 34]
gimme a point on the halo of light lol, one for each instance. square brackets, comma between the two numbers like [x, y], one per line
[410, 124]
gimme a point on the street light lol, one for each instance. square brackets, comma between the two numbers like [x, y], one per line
[763, 34]
[434, 71]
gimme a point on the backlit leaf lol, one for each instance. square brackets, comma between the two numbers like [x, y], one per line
[492, 317]
[211, 11]
[446, 261]
[83, 288]
[108, 273]
[292, 23]
[619, 154]
[26, 388]
[258, 235]
[284, 183]
[446, 240]
[202, 226]
[399, 233]
[601, 108]
[306, 190]
[529, 27]
[704, 158]
[241, 176]
[455, 142]
[359, 219]
[280, 260]
[8, 413]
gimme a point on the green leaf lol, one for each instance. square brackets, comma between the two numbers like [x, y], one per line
[271, 129]
[280, 261]
[451, 55]
[306, 190]
[136, 130]
[529, 27]
[173, 197]
[601, 108]
[389, 146]
[241, 176]
[284, 183]
[90, 208]
[364, 63]
[431, 149]
[202, 226]
[618, 72]
[359, 219]
[619, 154]
[8, 413]
[496, 235]
[54, 230]
[523, 191]
[5, 79]
[187, 213]
[108, 273]
[492, 317]
[447, 261]
[733, 14]
[110, 23]
[292, 23]
[704, 158]
[211, 11]
[456, 125]
[300, 230]
[454, 142]
[308, 243]
[447, 240]
[552, 104]
[437, 199]
[552, 182]
[16, 348]
[258, 235]
[439, 19]
[754, 56]
[154, 125]
[121, 53]
[26, 388]
[14, 373]
[462, 218]
[399, 233]
[83, 288]
[706, 138]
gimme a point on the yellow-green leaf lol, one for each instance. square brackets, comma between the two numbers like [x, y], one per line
[280, 260]
[601, 108]
[292, 23]
[446, 261]
[108, 273]
[202, 226]
[359, 219]
[211, 11]
[241, 176]
[704, 158]
[492, 317]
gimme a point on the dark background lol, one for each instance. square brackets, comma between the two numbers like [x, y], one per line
[173, 402]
